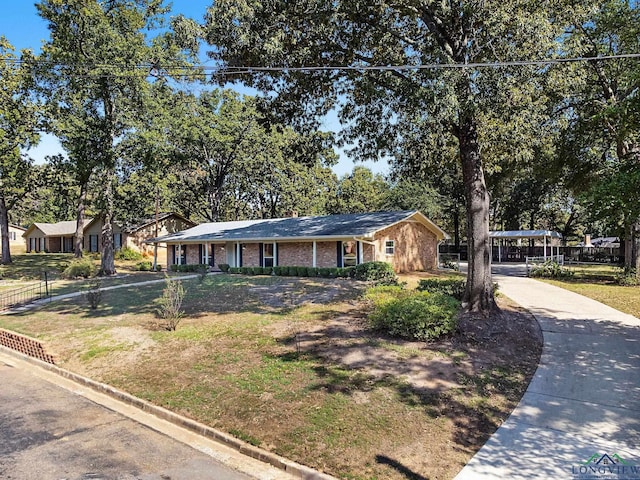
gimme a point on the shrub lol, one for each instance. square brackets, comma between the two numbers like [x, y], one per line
[234, 270]
[324, 272]
[94, 294]
[79, 268]
[189, 268]
[344, 272]
[127, 253]
[379, 272]
[171, 303]
[383, 294]
[202, 272]
[224, 267]
[277, 271]
[550, 269]
[144, 266]
[158, 267]
[417, 315]
[333, 272]
[627, 277]
[449, 286]
[257, 270]
[302, 272]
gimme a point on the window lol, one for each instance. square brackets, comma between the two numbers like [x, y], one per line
[117, 241]
[206, 254]
[12, 236]
[179, 254]
[93, 243]
[349, 254]
[267, 255]
[390, 247]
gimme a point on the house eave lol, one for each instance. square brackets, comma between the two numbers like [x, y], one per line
[326, 238]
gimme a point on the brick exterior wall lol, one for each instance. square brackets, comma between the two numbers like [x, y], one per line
[415, 247]
[326, 254]
[296, 253]
[193, 254]
[219, 254]
[250, 254]
[54, 244]
[25, 345]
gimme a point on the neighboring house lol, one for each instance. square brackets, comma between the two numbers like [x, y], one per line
[407, 240]
[52, 237]
[60, 237]
[15, 235]
[136, 236]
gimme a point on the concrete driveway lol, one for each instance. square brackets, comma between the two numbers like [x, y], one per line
[580, 417]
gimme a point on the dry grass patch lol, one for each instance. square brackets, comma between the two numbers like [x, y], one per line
[291, 365]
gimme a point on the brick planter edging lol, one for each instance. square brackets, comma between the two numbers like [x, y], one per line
[300, 471]
[26, 345]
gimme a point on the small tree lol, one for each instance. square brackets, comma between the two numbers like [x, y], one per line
[94, 294]
[171, 303]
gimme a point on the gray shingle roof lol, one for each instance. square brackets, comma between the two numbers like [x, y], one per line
[59, 229]
[327, 226]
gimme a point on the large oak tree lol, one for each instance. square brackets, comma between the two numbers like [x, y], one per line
[286, 35]
[98, 65]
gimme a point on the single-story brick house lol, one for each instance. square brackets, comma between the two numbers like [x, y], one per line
[408, 240]
[60, 237]
[15, 235]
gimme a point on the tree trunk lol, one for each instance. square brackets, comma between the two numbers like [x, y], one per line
[478, 295]
[107, 260]
[635, 247]
[80, 221]
[4, 231]
[456, 229]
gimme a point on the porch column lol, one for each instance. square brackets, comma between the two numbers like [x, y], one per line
[61, 244]
[361, 252]
[238, 254]
[206, 253]
[315, 252]
[499, 250]
[179, 254]
[544, 254]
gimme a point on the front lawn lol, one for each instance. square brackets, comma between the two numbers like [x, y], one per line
[291, 365]
[598, 283]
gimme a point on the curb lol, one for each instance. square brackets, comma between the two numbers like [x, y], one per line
[288, 466]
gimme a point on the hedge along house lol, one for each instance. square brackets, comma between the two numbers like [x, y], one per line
[407, 240]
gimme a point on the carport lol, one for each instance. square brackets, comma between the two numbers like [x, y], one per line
[546, 236]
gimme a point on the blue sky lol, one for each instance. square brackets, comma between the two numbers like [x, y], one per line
[22, 26]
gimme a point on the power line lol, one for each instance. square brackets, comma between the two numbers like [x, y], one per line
[198, 70]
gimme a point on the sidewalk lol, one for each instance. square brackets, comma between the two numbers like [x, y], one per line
[583, 401]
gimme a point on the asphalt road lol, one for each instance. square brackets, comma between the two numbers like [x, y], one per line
[50, 433]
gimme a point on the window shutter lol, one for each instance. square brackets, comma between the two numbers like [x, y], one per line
[240, 253]
[358, 259]
[173, 254]
[200, 253]
[261, 250]
[339, 252]
[212, 259]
